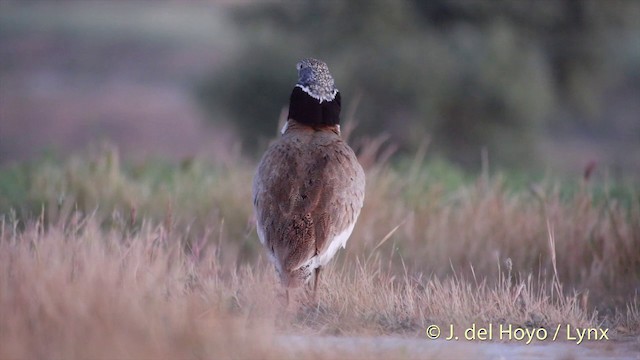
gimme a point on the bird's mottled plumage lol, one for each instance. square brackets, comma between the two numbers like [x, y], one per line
[315, 79]
[315, 101]
[309, 187]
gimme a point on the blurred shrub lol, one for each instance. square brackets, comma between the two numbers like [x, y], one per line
[471, 74]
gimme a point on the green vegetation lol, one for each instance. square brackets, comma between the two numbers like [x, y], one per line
[432, 246]
[444, 214]
[453, 99]
[473, 75]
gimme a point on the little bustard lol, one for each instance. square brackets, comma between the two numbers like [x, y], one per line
[309, 187]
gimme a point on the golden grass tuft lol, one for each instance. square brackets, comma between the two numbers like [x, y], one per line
[164, 263]
[76, 291]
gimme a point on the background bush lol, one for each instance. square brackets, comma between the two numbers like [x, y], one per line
[470, 74]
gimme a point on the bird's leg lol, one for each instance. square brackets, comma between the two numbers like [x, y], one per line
[315, 282]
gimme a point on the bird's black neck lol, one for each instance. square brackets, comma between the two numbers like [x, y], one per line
[307, 110]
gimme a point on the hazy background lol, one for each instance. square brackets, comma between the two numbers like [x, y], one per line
[540, 86]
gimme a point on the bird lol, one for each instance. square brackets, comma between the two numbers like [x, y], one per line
[308, 189]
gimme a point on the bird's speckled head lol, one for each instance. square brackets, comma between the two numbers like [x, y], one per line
[316, 80]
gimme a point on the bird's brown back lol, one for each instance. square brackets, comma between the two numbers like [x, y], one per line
[309, 188]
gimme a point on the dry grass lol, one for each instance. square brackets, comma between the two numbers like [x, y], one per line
[140, 263]
[75, 290]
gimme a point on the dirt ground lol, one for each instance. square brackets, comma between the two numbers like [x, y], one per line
[411, 348]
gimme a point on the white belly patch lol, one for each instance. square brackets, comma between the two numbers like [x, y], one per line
[339, 241]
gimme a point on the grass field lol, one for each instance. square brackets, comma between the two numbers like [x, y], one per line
[104, 259]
